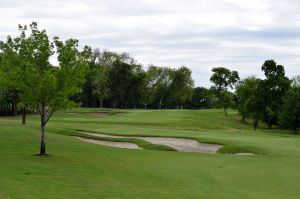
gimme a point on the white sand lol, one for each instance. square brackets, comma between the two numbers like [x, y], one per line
[180, 144]
[125, 145]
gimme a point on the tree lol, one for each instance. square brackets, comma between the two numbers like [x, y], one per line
[99, 70]
[203, 98]
[246, 91]
[49, 88]
[181, 86]
[137, 91]
[120, 77]
[3, 82]
[157, 82]
[163, 88]
[296, 81]
[274, 87]
[223, 79]
[97, 88]
[100, 83]
[289, 117]
[11, 67]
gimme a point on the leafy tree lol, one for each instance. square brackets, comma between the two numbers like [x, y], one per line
[296, 81]
[246, 91]
[3, 82]
[49, 88]
[181, 87]
[120, 77]
[275, 86]
[290, 115]
[223, 79]
[157, 82]
[203, 98]
[100, 83]
[138, 88]
[11, 69]
[162, 89]
[96, 87]
[99, 70]
[228, 100]
[256, 103]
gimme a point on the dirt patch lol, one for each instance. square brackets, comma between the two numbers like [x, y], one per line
[125, 145]
[180, 144]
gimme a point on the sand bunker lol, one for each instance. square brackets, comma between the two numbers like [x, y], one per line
[180, 144]
[125, 145]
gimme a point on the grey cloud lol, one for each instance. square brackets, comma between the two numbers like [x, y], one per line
[198, 33]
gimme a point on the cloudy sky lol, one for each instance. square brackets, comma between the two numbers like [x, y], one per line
[200, 34]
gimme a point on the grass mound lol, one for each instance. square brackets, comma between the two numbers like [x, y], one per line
[232, 149]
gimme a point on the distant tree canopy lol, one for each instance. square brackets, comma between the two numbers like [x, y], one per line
[271, 100]
[223, 78]
[204, 98]
[102, 78]
[246, 92]
[289, 116]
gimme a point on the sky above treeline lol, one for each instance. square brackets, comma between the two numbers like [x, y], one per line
[200, 34]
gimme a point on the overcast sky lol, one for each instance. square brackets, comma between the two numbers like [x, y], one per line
[200, 34]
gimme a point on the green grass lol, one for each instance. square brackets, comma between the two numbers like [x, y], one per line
[75, 169]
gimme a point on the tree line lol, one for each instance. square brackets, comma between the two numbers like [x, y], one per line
[100, 78]
[274, 100]
[116, 80]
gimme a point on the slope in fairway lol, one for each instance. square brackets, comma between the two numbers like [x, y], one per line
[75, 169]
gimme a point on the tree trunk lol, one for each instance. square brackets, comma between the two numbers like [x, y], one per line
[24, 115]
[269, 125]
[256, 123]
[43, 137]
[160, 102]
[225, 111]
[43, 141]
[243, 118]
[14, 109]
[101, 101]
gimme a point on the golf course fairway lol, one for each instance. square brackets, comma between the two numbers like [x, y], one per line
[78, 169]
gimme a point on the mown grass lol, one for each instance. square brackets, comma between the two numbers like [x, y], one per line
[75, 169]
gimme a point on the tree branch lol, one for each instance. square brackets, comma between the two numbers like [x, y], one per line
[49, 115]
